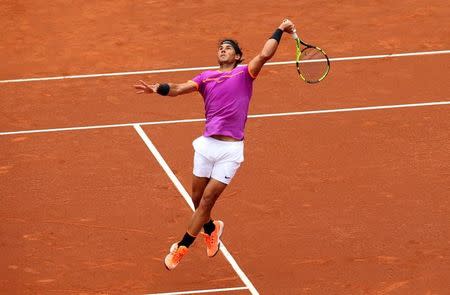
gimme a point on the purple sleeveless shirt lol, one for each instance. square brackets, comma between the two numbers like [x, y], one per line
[227, 98]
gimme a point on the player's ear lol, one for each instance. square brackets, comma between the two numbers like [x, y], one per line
[237, 56]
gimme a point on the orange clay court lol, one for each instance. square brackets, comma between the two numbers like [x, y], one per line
[350, 200]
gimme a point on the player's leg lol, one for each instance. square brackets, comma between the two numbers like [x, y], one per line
[223, 172]
[213, 229]
[201, 176]
[220, 174]
[202, 171]
[198, 187]
[201, 215]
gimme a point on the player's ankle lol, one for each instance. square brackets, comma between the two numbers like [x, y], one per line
[209, 227]
[187, 240]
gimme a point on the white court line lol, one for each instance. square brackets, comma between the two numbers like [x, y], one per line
[202, 291]
[188, 200]
[354, 109]
[100, 126]
[378, 56]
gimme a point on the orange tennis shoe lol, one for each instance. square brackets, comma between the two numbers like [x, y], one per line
[212, 241]
[174, 257]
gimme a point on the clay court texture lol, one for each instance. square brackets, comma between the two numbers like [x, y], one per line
[345, 186]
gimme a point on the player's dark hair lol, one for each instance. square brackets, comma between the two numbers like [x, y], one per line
[236, 47]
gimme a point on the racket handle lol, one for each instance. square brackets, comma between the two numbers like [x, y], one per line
[294, 35]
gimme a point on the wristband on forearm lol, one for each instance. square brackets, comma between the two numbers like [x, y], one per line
[277, 35]
[163, 89]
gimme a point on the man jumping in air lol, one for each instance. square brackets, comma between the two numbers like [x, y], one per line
[220, 150]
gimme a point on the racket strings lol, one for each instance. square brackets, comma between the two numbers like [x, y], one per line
[313, 64]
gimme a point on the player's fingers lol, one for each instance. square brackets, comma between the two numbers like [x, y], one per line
[291, 28]
[145, 84]
[140, 87]
[140, 92]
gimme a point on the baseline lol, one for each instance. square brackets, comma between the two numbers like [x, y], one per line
[201, 291]
[348, 58]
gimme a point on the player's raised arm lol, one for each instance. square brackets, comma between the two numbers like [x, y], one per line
[165, 89]
[270, 47]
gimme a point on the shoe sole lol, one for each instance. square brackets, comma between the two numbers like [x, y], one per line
[220, 235]
[165, 265]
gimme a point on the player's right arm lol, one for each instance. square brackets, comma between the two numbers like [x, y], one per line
[173, 88]
[269, 49]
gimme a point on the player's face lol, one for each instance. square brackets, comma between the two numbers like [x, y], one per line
[227, 54]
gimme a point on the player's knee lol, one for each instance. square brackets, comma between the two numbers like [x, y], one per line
[207, 202]
[205, 205]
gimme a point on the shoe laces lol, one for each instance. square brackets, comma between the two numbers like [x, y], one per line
[210, 239]
[178, 254]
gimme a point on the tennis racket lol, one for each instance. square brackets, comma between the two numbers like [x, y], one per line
[312, 62]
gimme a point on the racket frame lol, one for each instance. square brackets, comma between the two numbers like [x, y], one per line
[299, 42]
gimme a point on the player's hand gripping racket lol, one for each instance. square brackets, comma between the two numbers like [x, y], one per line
[312, 62]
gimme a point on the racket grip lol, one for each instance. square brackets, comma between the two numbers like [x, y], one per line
[294, 35]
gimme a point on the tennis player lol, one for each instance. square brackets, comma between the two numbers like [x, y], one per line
[220, 150]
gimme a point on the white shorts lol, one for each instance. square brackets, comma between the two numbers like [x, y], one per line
[216, 158]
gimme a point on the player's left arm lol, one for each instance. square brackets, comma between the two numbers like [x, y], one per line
[166, 89]
[269, 49]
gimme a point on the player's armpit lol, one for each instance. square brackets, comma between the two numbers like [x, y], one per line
[194, 83]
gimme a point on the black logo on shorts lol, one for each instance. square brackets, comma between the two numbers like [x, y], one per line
[227, 177]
